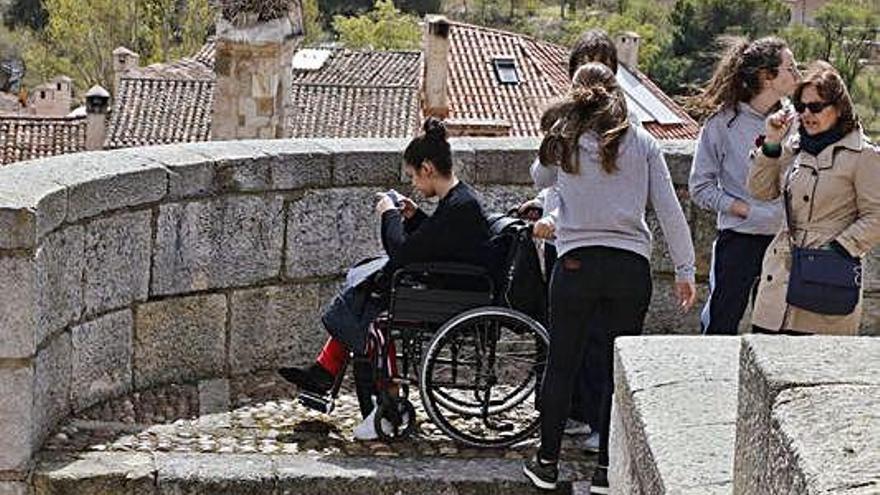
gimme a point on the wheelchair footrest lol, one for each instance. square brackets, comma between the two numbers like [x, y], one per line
[320, 403]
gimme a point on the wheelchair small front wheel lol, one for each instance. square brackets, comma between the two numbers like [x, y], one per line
[395, 419]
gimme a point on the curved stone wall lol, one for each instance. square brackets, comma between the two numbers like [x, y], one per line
[122, 270]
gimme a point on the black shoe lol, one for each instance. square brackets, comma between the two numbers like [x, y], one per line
[543, 475]
[599, 483]
[314, 379]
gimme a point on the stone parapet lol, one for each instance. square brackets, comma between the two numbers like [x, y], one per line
[674, 415]
[807, 417]
[127, 269]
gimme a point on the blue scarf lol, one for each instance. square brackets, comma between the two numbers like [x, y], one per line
[816, 143]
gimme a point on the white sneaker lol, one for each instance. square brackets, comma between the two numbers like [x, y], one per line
[592, 443]
[575, 427]
[367, 429]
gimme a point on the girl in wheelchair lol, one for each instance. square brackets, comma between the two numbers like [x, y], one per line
[457, 231]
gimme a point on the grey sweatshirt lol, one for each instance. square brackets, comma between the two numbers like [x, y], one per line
[600, 209]
[721, 164]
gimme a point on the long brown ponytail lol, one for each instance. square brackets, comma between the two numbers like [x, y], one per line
[594, 103]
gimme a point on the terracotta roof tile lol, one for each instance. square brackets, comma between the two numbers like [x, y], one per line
[160, 111]
[476, 94]
[26, 138]
[352, 111]
[365, 68]
[357, 94]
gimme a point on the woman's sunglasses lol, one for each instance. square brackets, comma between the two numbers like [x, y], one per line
[814, 106]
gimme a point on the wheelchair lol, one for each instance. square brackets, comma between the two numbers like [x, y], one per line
[476, 358]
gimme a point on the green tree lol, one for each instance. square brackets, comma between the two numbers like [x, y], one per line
[846, 27]
[383, 28]
[866, 96]
[26, 13]
[81, 34]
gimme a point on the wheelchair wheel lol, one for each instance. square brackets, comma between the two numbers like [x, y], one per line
[479, 376]
[395, 419]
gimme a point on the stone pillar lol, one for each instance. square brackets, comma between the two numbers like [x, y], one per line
[436, 67]
[123, 61]
[627, 44]
[253, 68]
[97, 109]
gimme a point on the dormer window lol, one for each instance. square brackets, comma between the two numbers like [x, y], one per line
[505, 70]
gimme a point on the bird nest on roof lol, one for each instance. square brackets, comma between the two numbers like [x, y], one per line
[264, 10]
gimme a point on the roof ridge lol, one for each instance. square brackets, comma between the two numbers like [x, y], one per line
[343, 85]
[41, 118]
[503, 31]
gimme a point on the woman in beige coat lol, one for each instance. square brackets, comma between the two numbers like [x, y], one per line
[832, 173]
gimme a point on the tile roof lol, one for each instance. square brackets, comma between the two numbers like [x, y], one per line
[357, 94]
[26, 138]
[476, 94]
[164, 103]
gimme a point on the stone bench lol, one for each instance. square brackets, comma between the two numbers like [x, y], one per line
[674, 415]
[809, 416]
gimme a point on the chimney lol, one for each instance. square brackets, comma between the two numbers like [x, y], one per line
[627, 44]
[97, 109]
[123, 61]
[255, 45]
[436, 67]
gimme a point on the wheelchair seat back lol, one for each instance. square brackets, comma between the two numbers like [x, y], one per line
[517, 267]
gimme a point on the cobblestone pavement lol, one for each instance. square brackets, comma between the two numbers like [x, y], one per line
[265, 417]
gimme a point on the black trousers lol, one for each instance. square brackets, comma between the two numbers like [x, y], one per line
[588, 282]
[586, 396]
[736, 268]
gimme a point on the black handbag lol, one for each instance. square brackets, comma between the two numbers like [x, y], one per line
[823, 281]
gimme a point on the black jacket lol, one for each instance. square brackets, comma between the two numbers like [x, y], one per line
[457, 231]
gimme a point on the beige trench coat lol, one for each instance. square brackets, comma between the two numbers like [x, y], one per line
[834, 196]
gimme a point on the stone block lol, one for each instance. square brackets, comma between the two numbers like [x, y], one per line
[674, 414]
[16, 416]
[679, 155]
[107, 180]
[870, 315]
[295, 163]
[97, 473]
[117, 261]
[59, 262]
[226, 242]
[190, 173]
[780, 378]
[365, 162]
[661, 260]
[664, 316]
[14, 488]
[703, 232]
[871, 267]
[102, 351]
[52, 370]
[213, 396]
[226, 166]
[18, 307]
[464, 160]
[276, 326]
[180, 339]
[329, 230]
[500, 199]
[31, 204]
[504, 161]
[213, 473]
